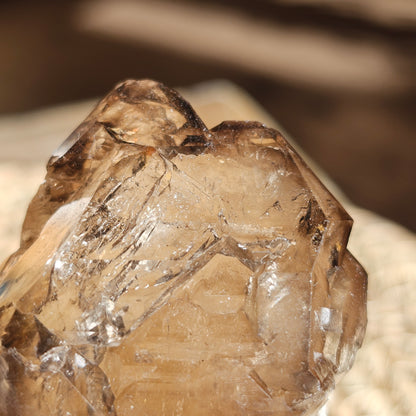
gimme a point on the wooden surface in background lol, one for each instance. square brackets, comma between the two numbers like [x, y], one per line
[357, 120]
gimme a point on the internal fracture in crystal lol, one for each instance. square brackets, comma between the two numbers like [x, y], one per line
[168, 269]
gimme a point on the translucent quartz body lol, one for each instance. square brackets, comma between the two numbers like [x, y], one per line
[168, 269]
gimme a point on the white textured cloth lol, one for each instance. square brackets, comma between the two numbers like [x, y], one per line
[383, 379]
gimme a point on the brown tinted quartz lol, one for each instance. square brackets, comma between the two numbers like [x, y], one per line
[168, 269]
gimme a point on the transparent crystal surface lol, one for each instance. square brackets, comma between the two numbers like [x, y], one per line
[168, 269]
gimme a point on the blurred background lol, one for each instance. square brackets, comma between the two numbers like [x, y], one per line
[339, 76]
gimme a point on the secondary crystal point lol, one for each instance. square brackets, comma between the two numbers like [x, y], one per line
[168, 269]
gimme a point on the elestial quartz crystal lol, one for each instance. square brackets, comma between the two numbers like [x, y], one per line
[168, 269]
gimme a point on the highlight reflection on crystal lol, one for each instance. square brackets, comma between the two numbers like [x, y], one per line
[168, 269]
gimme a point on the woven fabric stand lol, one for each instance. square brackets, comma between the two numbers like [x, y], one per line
[383, 379]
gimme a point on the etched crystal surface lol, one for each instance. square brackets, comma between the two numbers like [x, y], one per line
[168, 269]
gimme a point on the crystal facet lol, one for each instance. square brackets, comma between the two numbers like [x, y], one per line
[168, 269]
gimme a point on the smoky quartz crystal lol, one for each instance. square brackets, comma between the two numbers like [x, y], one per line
[168, 269]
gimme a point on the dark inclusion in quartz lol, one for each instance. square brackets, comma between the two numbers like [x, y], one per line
[168, 269]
